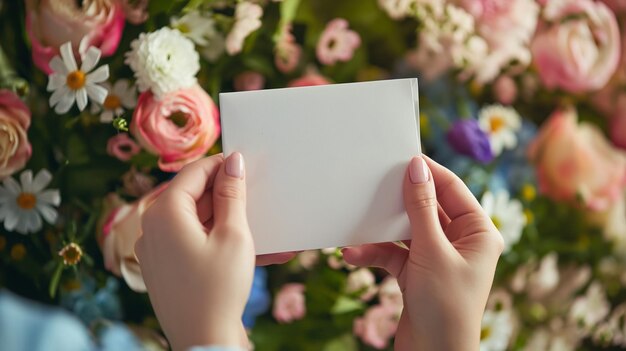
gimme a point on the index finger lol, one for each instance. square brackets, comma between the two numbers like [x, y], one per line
[194, 179]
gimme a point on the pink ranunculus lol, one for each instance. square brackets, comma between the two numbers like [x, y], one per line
[576, 161]
[309, 79]
[289, 303]
[180, 127]
[122, 147]
[249, 80]
[15, 149]
[120, 231]
[51, 23]
[377, 326]
[337, 42]
[578, 47]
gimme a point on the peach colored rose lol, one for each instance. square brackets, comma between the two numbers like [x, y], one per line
[309, 79]
[120, 230]
[122, 147]
[578, 47]
[249, 80]
[289, 303]
[377, 326]
[576, 161]
[15, 148]
[180, 127]
[51, 23]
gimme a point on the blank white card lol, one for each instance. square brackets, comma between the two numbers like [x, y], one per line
[324, 164]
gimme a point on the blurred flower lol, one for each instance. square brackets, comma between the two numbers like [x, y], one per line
[575, 161]
[121, 229]
[119, 97]
[15, 149]
[588, 310]
[137, 183]
[578, 47]
[553, 339]
[51, 23]
[259, 300]
[21, 207]
[195, 26]
[69, 83]
[249, 80]
[390, 295]
[308, 259]
[505, 90]
[89, 302]
[180, 127]
[309, 79]
[499, 300]
[288, 52]
[546, 278]
[71, 254]
[619, 6]
[500, 123]
[136, 11]
[289, 303]
[362, 282]
[618, 130]
[247, 20]
[467, 138]
[337, 42]
[496, 330]
[122, 147]
[507, 215]
[377, 326]
[163, 61]
[216, 49]
[396, 9]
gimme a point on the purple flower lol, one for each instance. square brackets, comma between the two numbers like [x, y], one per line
[468, 139]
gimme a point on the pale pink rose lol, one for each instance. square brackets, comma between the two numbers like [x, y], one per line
[578, 47]
[247, 20]
[15, 149]
[122, 147]
[137, 183]
[362, 282]
[576, 161]
[288, 52]
[505, 90]
[377, 326]
[289, 303]
[309, 79]
[136, 11]
[337, 42]
[51, 23]
[249, 80]
[120, 231]
[390, 295]
[180, 127]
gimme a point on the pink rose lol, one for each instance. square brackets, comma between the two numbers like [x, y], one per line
[309, 79]
[120, 230]
[51, 23]
[337, 42]
[249, 80]
[289, 303]
[15, 149]
[578, 47]
[377, 326]
[180, 127]
[575, 160]
[122, 147]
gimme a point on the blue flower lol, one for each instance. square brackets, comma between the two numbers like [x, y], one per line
[259, 300]
[468, 139]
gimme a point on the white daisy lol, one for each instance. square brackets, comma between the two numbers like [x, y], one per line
[507, 214]
[21, 207]
[500, 123]
[496, 330]
[588, 310]
[121, 96]
[70, 83]
[195, 26]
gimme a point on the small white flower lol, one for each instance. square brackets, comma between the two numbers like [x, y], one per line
[496, 330]
[507, 214]
[195, 26]
[308, 258]
[363, 282]
[248, 19]
[396, 9]
[21, 207]
[121, 96]
[70, 83]
[546, 278]
[163, 61]
[588, 310]
[500, 123]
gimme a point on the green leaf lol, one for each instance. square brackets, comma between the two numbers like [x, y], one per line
[54, 282]
[345, 304]
[144, 159]
[345, 342]
[288, 10]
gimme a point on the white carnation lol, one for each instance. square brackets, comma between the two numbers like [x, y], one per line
[163, 61]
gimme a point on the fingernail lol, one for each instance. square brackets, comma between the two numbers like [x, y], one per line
[418, 171]
[234, 165]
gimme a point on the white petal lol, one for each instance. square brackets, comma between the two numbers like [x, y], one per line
[26, 178]
[65, 103]
[120, 88]
[59, 94]
[10, 222]
[48, 212]
[90, 59]
[96, 93]
[55, 81]
[99, 75]
[50, 196]
[32, 220]
[12, 186]
[106, 116]
[57, 65]
[4, 212]
[68, 57]
[42, 179]
[22, 223]
[81, 98]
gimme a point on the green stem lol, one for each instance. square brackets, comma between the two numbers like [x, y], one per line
[9, 79]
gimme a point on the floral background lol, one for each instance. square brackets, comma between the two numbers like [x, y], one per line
[102, 101]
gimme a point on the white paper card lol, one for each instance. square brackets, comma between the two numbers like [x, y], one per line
[324, 164]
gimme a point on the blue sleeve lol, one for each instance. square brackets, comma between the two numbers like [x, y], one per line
[216, 348]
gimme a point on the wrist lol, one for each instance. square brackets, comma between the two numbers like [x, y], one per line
[227, 334]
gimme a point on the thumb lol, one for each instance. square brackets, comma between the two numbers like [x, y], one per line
[229, 196]
[420, 201]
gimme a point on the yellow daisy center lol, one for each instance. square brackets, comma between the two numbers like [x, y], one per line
[26, 201]
[497, 222]
[496, 123]
[112, 102]
[485, 332]
[76, 80]
[71, 253]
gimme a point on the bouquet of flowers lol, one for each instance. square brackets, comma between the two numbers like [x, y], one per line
[103, 101]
